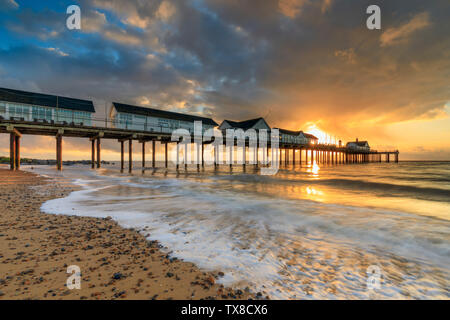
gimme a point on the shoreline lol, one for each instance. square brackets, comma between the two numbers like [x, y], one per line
[116, 263]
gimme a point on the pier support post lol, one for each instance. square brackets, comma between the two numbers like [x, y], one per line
[203, 155]
[17, 152]
[121, 156]
[312, 156]
[275, 154]
[165, 154]
[293, 156]
[244, 156]
[215, 156]
[93, 154]
[143, 156]
[59, 152]
[98, 153]
[230, 156]
[178, 155]
[197, 145]
[12, 151]
[286, 156]
[130, 155]
[300, 157]
[186, 148]
[256, 157]
[396, 157]
[153, 153]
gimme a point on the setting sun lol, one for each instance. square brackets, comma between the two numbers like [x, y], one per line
[324, 138]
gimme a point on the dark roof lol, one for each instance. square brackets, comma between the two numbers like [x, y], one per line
[292, 133]
[45, 100]
[126, 108]
[296, 133]
[246, 124]
[359, 143]
[308, 135]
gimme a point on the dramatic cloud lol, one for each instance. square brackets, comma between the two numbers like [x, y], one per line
[298, 63]
[402, 33]
[8, 5]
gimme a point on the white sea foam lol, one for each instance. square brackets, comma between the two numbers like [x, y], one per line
[285, 247]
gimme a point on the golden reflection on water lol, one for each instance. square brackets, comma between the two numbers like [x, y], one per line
[314, 170]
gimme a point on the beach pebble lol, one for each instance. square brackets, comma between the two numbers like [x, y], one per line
[117, 276]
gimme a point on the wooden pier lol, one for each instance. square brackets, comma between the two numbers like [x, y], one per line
[290, 153]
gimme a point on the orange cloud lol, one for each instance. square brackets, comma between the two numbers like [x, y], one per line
[402, 33]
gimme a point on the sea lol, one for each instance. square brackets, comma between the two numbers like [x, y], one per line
[355, 231]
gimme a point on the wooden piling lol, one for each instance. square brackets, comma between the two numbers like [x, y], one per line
[186, 155]
[165, 154]
[98, 153]
[178, 155]
[12, 151]
[198, 155]
[130, 155]
[122, 160]
[153, 153]
[93, 154]
[256, 157]
[300, 157]
[143, 156]
[17, 152]
[203, 155]
[59, 152]
[230, 156]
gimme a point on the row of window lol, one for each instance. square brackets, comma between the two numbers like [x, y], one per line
[38, 113]
[291, 139]
[138, 122]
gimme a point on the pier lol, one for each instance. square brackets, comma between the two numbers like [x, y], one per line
[288, 154]
[26, 113]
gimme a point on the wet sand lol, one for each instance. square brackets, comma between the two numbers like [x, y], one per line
[116, 263]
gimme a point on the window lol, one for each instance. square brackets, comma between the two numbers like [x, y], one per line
[48, 114]
[124, 120]
[138, 122]
[163, 123]
[2, 107]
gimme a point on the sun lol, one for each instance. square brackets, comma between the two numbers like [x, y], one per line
[324, 138]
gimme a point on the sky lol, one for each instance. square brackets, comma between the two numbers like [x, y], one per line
[309, 65]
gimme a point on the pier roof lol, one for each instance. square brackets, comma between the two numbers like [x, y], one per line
[246, 124]
[310, 136]
[290, 132]
[144, 111]
[45, 100]
[359, 143]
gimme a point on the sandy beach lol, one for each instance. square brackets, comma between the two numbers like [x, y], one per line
[115, 263]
